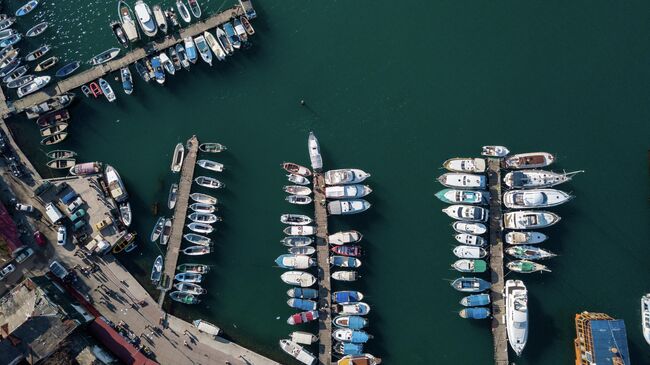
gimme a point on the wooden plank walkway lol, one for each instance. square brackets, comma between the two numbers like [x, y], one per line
[324, 280]
[180, 212]
[496, 264]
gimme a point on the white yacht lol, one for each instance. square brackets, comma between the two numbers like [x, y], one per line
[529, 219]
[345, 176]
[516, 296]
[314, 152]
[645, 316]
[460, 164]
[467, 213]
[145, 18]
[115, 184]
[459, 180]
[347, 191]
[535, 198]
[526, 179]
[348, 206]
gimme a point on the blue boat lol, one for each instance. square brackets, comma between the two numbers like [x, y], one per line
[68, 69]
[303, 293]
[347, 348]
[27, 8]
[475, 313]
[350, 335]
[304, 304]
[470, 285]
[353, 322]
[232, 35]
[158, 71]
[475, 300]
[347, 296]
[11, 40]
[190, 49]
[344, 261]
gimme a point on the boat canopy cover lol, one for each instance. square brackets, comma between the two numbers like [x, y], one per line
[608, 335]
[343, 297]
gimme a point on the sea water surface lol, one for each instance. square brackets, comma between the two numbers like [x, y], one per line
[394, 88]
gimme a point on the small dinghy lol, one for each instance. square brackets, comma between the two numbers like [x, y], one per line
[288, 261]
[209, 182]
[350, 335]
[53, 118]
[299, 278]
[105, 56]
[302, 304]
[347, 191]
[27, 8]
[54, 138]
[524, 252]
[183, 11]
[6, 22]
[204, 218]
[166, 231]
[295, 219]
[127, 80]
[300, 230]
[467, 265]
[343, 237]
[297, 352]
[50, 130]
[354, 322]
[526, 267]
[190, 288]
[305, 250]
[347, 348]
[345, 275]
[469, 252]
[299, 199]
[119, 33]
[240, 30]
[297, 241]
[531, 160]
[347, 296]
[469, 227]
[196, 250]
[470, 285]
[247, 25]
[187, 277]
[304, 338]
[193, 268]
[36, 30]
[197, 239]
[296, 169]
[470, 240]
[347, 250]
[184, 298]
[471, 165]
[200, 228]
[178, 156]
[475, 300]
[297, 179]
[194, 6]
[156, 270]
[348, 206]
[47, 64]
[495, 151]
[529, 219]
[345, 261]
[107, 90]
[535, 198]
[357, 309]
[67, 69]
[527, 179]
[173, 196]
[212, 147]
[57, 154]
[203, 208]
[297, 190]
[303, 293]
[463, 181]
[362, 359]
[454, 196]
[203, 198]
[467, 213]
[157, 229]
[126, 215]
[474, 313]
[525, 238]
[210, 165]
[95, 89]
[61, 163]
[303, 317]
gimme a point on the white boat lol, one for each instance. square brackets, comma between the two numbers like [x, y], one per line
[167, 63]
[160, 18]
[107, 90]
[467, 213]
[343, 237]
[145, 18]
[304, 250]
[177, 159]
[347, 191]
[471, 165]
[214, 46]
[304, 338]
[197, 239]
[128, 24]
[289, 261]
[157, 229]
[156, 270]
[456, 196]
[204, 50]
[295, 219]
[530, 160]
[210, 165]
[460, 180]
[166, 231]
[516, 296]
[299, 199]
[297, 241]
[196, 250]
[297, 179]
[115, 184]
[188, 277]
[535, 198]
[470, 239]
[527, 179]
[125, 213]
[200, 228]
[345, 275]
[195, 8]
[203, 198]
[469, 227]
[469, 252]
[37, 84]
[297, 352]
[190, 288]
[314, 152]
[209, 182]
[645, 317]
[525, 238]
[183, 11]
[204, 218]
[345, 176]
[529, 219]
[495, 151]
[349, 206]
[297, 190]
[173, 196]
[206, 327]
[300, 278]
[222, 38]
[212, 147]
[202, 208]
[300, 230]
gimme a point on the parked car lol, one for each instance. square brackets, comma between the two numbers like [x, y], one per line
[6, 271]
[24, 207]
[58, 270]
[61, 236]
[39, 238]
[75, 204]
[24, 254]
[78, 214]
[15, 169]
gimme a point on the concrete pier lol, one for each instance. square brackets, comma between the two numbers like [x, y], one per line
[324, 279]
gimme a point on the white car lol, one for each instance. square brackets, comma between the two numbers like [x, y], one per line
[75, 204]
[24, 207]
[61, 236]
[24, 254]
[6, 271]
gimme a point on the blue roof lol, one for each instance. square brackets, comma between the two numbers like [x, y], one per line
[609, 334]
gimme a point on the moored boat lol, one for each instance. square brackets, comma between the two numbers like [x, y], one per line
[156, 270]
[344, 261]
[214, 46]
[52, 118]
[173, 196]
[21, 81]
[345, 176]
[299, 199]
[461, 180]
[297, 179]
[157, 229]
[357, 309]
[193, 268]
[468, 265]
[305, 338]
[471, 165]
[343, 237]
[347, 250]
[126, 19]
[6, 22]
[296, 169]
[347, 206]
[467, 213]
[11, 40]
[297, 190]
[350, 335]
[470, 239]
[61, 163]
[296, 351]
[210, 165]
[524, 252]
[526, 267]
[209, 182]
[495, 151]
[224, 42]
[197, 239]
[212, 147]
[469, 252]
[86, 168]
[302, 304]
[142, 71]
[295, 219]
[516, 296]
[203, 208]
[240, 30]
[145, 18]
[347, 348]
[529, 219]
[195, 8]
[183, 11]
[57, 154]
[347, 296]
[54, 138]
[347, 191]
[455, 196]
[178, 156]
[166, 63]
[527, 179]
[203, 198]
[52, 104]
[68, 69]
[469, 227]
[184, 298]
[304, 250]
[304, 293]
[300, 230]
[166, 232]
[347, 275]
[346, 321]
[525, 238]
[46, 64]
[126, 215]
[187, 277]
[474, 313]
[645, 317]
[204, 218]
[37, 84]
[204, 50]
[115, 184]
[362, 359]
[206, 327]
[232, 35]
[119, 33]
[196, 250]
[158, 70]
[200, 227]
[127, 80]
[299, 278]
[107, 90]
[475, 300]
[190, 288]
[190, 49]
[159, 17]
[470, 285]
[56, 128]
[27, 8]
[105, 56]
[297, 241]
[535, 198]
[37, 30]
[312, 142]
[529, 160]
[15, 74]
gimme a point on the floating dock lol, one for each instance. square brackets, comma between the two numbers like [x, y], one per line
[324, 278]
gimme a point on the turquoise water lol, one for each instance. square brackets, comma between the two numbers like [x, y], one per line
[394, 89]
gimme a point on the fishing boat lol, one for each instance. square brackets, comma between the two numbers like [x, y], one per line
[460, 180]
[209, 182]
[68, 69]
[305, 250]
[302, 304]
[183, 12]
[178, 156]
[210, 165]
[345, 275]
[469, 227]
[204, 50]
[95, 89]
[347, 296]
[119, 33]
[299, 199]
[107, 90]
[187, 277]
[145, 18]
[526, 267]
[166, 63]
[196, 250]
[57, 154]
[297, 190]
[204, 218]
[38, 53]
[525, 252]
[300, 230]
[142, 71]
[182, 57]
[525, 238]
[46, 64]
[348, 206]
[645, 317]
[15, 74]
[173, 56]
[470, 285]
[8, 54]
[212, 147]
[27, 8]
[297, 241]
[297, 179]
[11, 40]
[345, 176]
[195, 8]
[37, 30]
[181, 297]
[160, 19]
[54, 138]
[356, 309]
[531, 160]
[474, 313]
[529, 219]
[296, 169]
[127, 80]
[115, 184]
[347, 250]
[471, 165]
[232, 35]
[6, 22]
[193, 268]
[299, 278]
[354, 322]
[347, 191]
[305, 338]
[361, 359]
[7, 33]
[86, 168]
[224, 42]
[516, 296]
[56, 128]
[296, 351]
[156, 270]
[11, 67]
[468, 265]
[467, 213]
[157, 229]
[344, 261]
[61, 163]
[455, 196]
[469, 252]
[303, 293]
[200, 228]
[295, 219]
[52, 104]
[495, 151]
[53, 118]
[535, 198]
[105, 56]
[203, 208]
[37, 84]
[203, 198]
[173, 196]
[343, 237]
[347, 348]
[240, 30]
[166, 232]
[125, 242]
[190, 288]
[250, 30]
[197, 239]
[158, 71]
[527, 179]
[350, 335]
[475, 300]
[171, 16]
[206, 327]
[214, 46]
[125, 213]
[470, 239]
[126, 19]
[190, 49]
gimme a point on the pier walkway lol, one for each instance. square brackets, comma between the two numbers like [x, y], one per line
[324, 280]
[496, 264]
[180, 212]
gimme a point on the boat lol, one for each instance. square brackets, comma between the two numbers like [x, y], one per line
[467, 265]
[196, 250]
[38, 53]
[347, 250]
[50, 130]
[203, 198]
[471, 165]
[474, 313]
[469, 252]
[200, 228]
[296, 351]
[173, 196]
[300, 230]
[347, 296]
[475, 300]
[303, 293]
[54, 138]
[240, 30]
[305, 338]
[467, 213]
[166, 232]
[126, 19]
[470, 285]
[52, 104]
[232, 35]
[204, 218]
[119, 33]
[212, 147]
[10, 68]
[145, 18]
[187, 277]
[470, 239]
[344, 261]
[190, 288]
[67, 69]
[36, 30]
[247, 7]
[345, 275]
[27, 8]
[461, 180]
[181, 297]
[107, 90]
[302, 304]
[173, 56]
[224, 42]
[469, 227]
[8, 54]
[194, 6]
[347, 206]
[11, 40]
[86, 168]
[53, 118]
[525, 238]
[250, 31]
[157, 229]
[156, 270]
[37, 84]
[190, 49]
[210, 165]
[160, 19]
[525, 252]
[297, 179]
[516, 296]
[7, 22]
[204, 50]
[297, 190]
[214, 46]
[209, 182]
[526, 179]
[529, 219]
[304, 250]
[61, 163]
[645, 317]
[125, 213]
[177, 160]
[299, 278]
[531, 160]
[295, 219]
[46, 64]
[526, 267]
[127, 80]
[296, 169]
[183, 12]
[495, 151]
[357, 309]
[347, 348]
[142, 71]
[15, 74]
[7, 33]
[182, 56]
[347, 191]
[206, 327]
[105, 56]
[202, 208]
[158, 71]
[535, 198]
[350, 335]
[343, 237]
[455, 196]
[166, 63]
[57, 154]
[193, 268]
[345, 176]
[297, 241]
[299, 199]
[197, 239]
[95, 89]
[362, 359]
[354, 322]
[115, 184]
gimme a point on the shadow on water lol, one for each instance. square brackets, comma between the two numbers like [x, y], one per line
[544, 326]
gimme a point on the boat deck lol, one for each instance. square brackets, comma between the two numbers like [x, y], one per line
[324, 279]
[496, 264]
[180, 212]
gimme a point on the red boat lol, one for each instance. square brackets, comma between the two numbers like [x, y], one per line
[351, 250]
[303, 317]
[293, 168]
[95, 89]
[53, 118]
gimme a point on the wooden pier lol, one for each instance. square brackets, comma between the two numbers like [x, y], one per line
[496, 264]
[324, 279]
[180, 212]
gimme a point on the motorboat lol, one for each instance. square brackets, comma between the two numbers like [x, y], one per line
[474, 313]
[303, 293]
[56, 154]
[350, 335]
[495, 151]
[347, 191]
[126, 19]
[296, 169]
[303, 317]
[470, 239]
[119, 33]
[288, 261]
[305, 338]
[38, 53]
[173, 196]
[516, 296]
[345, 176]
[529, 219]
[525, 238]
[348, 348]
[197, 239]
[469, 252]
[107, 90]
[204, 50]
[182, 297]
[312, 142]
[645, 317]
[240, 30]
[531, 160]
[105, 56]
[212, 147]
[468, 165]
[11, 40]
[455, 196]
[203, 198]
[166, 63]
[209, 182]
[190, 49]
[126, 215]
[7, 22]
[52, 129]
[297, 190]
[469, 227]
[177, 160]
[361, 359]
[193, 268]
[527, 179]
[196, 250]
[470, 285]
[526, 267]
[295, 219]
[224, 42]
[115, 184]
[248, 9]
[68, 69]
[158, 70]
[46, 64]
[10, 68]
[475, 300]
[166, 232]
[232, 35]
[297, 352]
[345, 275]
[300, 230]
[145, 18]
[52, 104]
[535, 198]
[61, 163]
[190, 288]
[7, 33]
[27, 8]
[142, 71]
[54, 138]
[203, 208]
[355, 309]
[182, 56]
[343, 237]
[37, 30]
[156, 270]
[195, 8]
[214, 46]
[210, 165]
[305, 250]
[159, 17]
[37, 84]
[299, 199]
[127, 80]
[15, 74]
[157, 229]
[297, 179]
[187, 277]
[297, 241]
[299, 278]
[52, 118]
[204, 218]
[249, 28]
[524, 252]
[344, 261]
[469, 265]
[348, 206]
[183, 11]
[347, 296]
[461, 180]
[347, 250]
[467, 213]
[173, 56]
[7, 55]
[86, 168]
[200, 228]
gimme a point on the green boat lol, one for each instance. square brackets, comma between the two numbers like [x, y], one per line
[193, 268]
[455, 196]
[466, 265]
[184, 298]
[526, 267]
